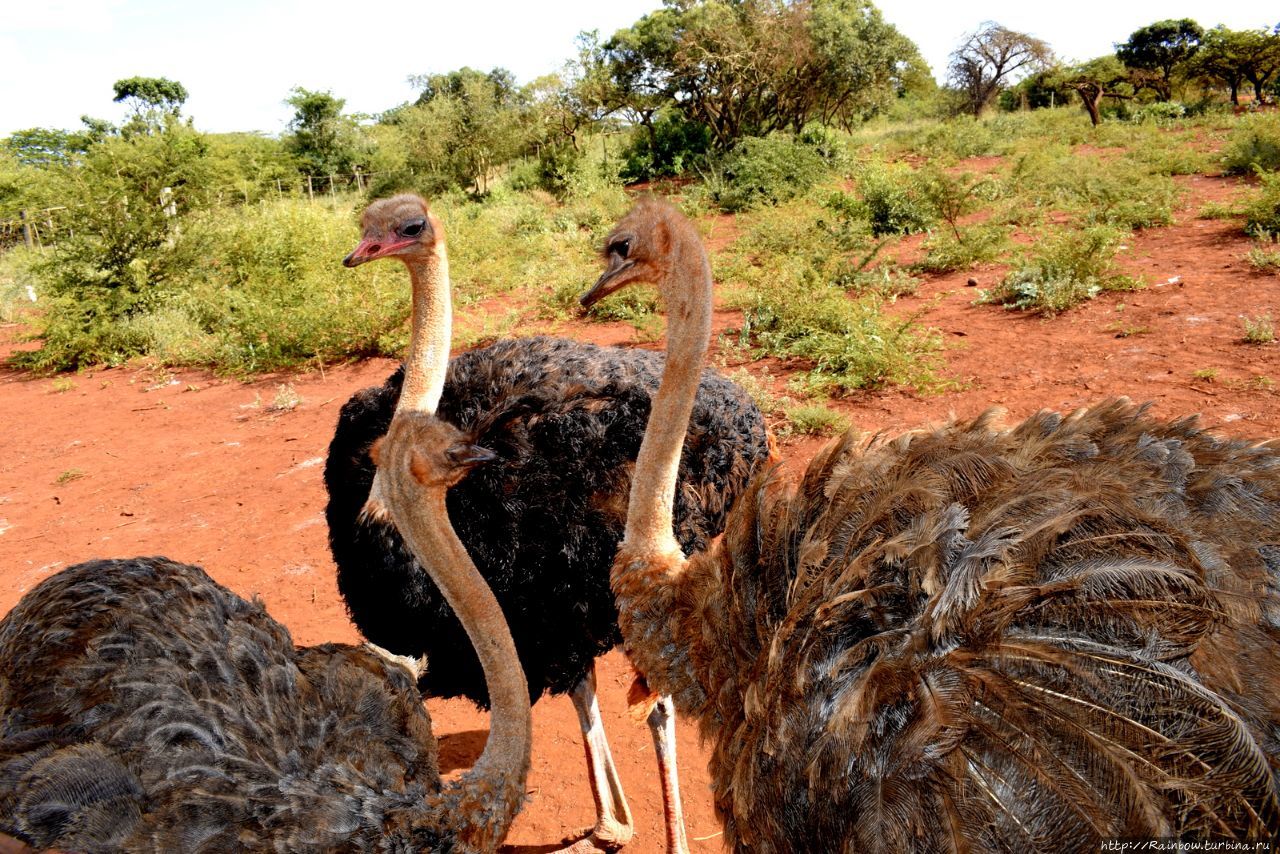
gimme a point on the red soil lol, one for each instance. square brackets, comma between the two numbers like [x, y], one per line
[134, 461]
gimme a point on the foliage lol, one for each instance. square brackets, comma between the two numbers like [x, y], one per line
[1264, 255]
[323, 140]
[766, 171]
[121, 260]
[669, 146]
[1262, 212]
[1067, 268]
[814, 419]
[748, 69]
[946, 252]
[1254, 144]
[1259, 330]
[847, 343]
[153, 101]
[893, 200]
[45, 147]
[991, 57]
[1162, 48]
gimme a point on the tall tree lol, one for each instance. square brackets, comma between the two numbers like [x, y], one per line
[1163, 48]
[151, 100]
[322, 138]
[991, 57]
[749, 67]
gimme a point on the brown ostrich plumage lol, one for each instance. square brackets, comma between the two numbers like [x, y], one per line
[967, 638]
[144, 707]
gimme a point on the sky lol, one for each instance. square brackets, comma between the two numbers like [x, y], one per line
[239, 59]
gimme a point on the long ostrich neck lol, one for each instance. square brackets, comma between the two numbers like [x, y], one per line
[653, 485]
[431, 327]
[484, 801]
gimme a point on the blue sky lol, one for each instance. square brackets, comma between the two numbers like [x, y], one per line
[240, 58]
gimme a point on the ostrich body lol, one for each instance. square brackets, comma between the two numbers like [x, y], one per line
[543, 519]
[964, 638]
[144, 707]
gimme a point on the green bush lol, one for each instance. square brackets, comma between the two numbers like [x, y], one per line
[676, 146]
[766, 171]
[847, 343]
[1067, 268]
[1262, 212]
[1254, 144]
[893, 200]
[814, 419]
[944, 252]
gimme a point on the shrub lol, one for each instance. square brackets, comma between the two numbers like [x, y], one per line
[976, 245]
[676, 146]
[1068, 268]
[1160, 112]
[1262, 212]
[1259, 330]
[814, 420]
[847, 343]
[766, 171]
[1262, 258]
[893, 201]
[1254, 144]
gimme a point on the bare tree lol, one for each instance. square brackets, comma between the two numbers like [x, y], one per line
[991, 57]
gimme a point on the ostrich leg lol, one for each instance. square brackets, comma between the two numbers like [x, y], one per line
[662, 724]
[614, 826]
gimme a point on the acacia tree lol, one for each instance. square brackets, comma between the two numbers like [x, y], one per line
[743, 68]
[483, 116]
[323, 140]
[991, 57]
[1104, 77]
[1218, 60]
[152, 100]
[1163, 49]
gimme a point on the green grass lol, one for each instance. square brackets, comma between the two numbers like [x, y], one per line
[814, 419]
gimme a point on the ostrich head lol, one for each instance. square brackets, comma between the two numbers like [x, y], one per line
[401, 227]
[654, 243]
[440, 454]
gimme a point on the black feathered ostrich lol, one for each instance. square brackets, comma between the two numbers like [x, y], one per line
[144, 707]
[543, 519]
[966, 638]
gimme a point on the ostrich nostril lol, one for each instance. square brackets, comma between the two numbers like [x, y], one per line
[374, 249]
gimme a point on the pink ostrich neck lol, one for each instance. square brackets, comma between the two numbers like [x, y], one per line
[484, 801]
[651, 507]
[431, 328]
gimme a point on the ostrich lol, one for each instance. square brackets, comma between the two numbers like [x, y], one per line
[962, 638]
[144, 707]
[542, 520]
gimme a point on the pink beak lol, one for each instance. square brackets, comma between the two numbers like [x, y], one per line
[370, 248]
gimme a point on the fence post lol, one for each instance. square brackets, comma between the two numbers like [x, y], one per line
[279, 189]
[26, 228]
[359, 181]
[332, 196]
[310, 193]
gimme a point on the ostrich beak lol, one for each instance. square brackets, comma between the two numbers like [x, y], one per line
[609, 281]
[370, 248]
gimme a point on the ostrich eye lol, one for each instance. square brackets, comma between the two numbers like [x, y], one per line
[414, 228]
[622, 247]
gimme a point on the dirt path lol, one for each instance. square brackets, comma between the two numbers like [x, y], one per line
[131, 461]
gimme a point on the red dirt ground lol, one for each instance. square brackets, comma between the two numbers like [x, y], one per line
[133, 461]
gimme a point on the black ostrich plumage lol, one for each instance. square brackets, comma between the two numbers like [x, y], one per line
[543, 521]
[144, 707]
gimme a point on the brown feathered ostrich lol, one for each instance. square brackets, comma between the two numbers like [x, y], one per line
[144, 707]
[541, 520]
[962, 639]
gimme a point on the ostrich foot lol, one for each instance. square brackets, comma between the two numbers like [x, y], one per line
[614, 827]
[590, 840]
